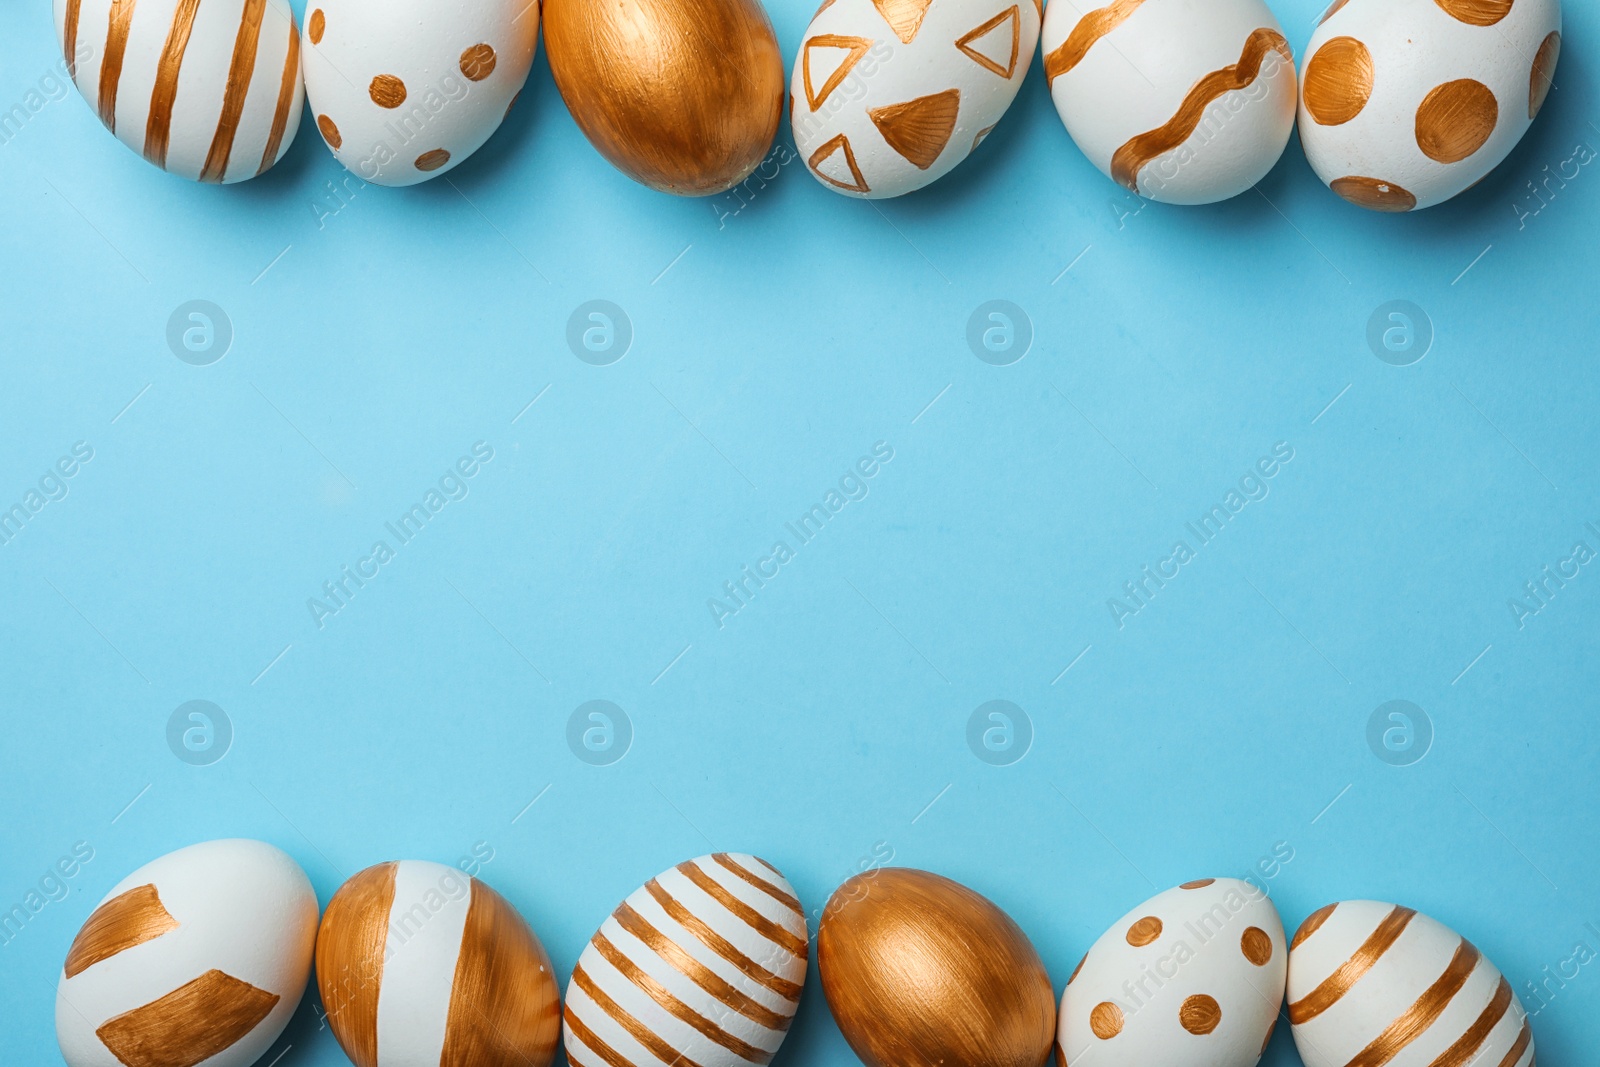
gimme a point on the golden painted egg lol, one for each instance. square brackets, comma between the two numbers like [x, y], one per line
[681, 95]
[921, 971]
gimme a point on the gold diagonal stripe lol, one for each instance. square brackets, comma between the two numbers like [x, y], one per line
[697, 972]
[752, 918]
[1423, 1014]
[69, 37]
[1524, 1039]
[1352, 970]
[280, 118]
[118, 23]
[240, 70]
[123, 922]
[719, 944]
[576, 1027]
[733, 866]
[1458, 1054]
[158, 127]
[636, 1029]
[1085, 35]
[681, 1011]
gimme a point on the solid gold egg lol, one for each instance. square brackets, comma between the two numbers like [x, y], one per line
[681, 95]
[921, 971]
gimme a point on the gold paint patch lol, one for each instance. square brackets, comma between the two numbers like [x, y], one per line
[1201, 884]
[903, 16]
[1352, 970]
[190, 1024]
[855, 46]
[330, 132]
[1476, 12]
[387, 91]
[1374, 194]
[1085, 35]
[919, 129]
[1105, 1019]
[1542, 80]
[1312, 925]
[478, 62]
[126, 920]
[1455, 120]
[433, 160]
[1144, 932]
[978, 33]
[504, 1005]
[1256, 944]
[240, 70]
[350, 952]
[317, 25]
[1200, 1014]
[1338, 81]
[978, 140]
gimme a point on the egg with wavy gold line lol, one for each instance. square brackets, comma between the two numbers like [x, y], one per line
[1405, 104]
[420, 965]
[683, 96]
[921, 971]
[1192, 977]
[199, 956]
[1374, 984]
[702, 965]
[405, 90]
[210, 92]
[1180, 101]
[889, 96]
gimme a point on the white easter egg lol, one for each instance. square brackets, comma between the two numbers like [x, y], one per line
[1407, 103]
[702, 964]
[404, 90]
[1374, 984]
[210, 92]
[199, 956]
[1181, 101]
[1192, 977]
[890, 95]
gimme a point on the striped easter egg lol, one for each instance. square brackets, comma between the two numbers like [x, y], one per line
[1372, 984]
[701, 967]
[209, 92]
[420, 965]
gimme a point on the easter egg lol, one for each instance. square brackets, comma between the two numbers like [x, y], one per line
[201, 955]
[888, 96]
[1407, 103]
[1372, 984]
[1181, 101]
[1192, 977]
[922, 971]
[420, 965]
[681, 95]
[210, 92]
[405, 90]
[702, 965]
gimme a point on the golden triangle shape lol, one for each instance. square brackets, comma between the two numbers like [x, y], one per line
[903, 16]
[855, 46]
[841, 142]
[919, 129]
[967, 40]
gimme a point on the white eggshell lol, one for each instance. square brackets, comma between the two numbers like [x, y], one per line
[241, 908]
[210, 92]
[1192, 977]
[889, 96]
[404, 90]
[1366, 978]
[703, 963]
[1181, 101]
[1407, 103]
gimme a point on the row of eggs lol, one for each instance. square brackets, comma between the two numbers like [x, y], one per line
[203, 955]
[1401, 104]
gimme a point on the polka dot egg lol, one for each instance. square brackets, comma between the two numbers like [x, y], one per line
[1192, 977]
[404, 90]
[1407, 103]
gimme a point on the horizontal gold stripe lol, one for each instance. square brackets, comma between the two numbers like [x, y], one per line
[1085, 35]
[126, 920]
[241, 69]
[636, 1029]
[280, 117]
[719, 944]
[1352, 970]
[697, 972]
[679, 1010]
[752, 918]
[1423, 1014]
[1459, 1053]
[732, 866]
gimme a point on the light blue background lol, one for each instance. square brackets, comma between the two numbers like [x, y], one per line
[772, 349]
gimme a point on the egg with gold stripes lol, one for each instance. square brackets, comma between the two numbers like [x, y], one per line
[421, 965]
[199, 956]
[1407, 103]
[405, 90]
[888, 96]
[1180, 101]
[210, 92]
[701, 966]
[1372, 984]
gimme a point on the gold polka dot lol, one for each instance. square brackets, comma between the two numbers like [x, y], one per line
[1257, 946]
[433, 160]
[1374, 194]
[1476, 12]
[1144, 932]
[1544, 69]
[1455, 120]
[387, 91]
[1078, 968]
[515, 97]
[1200, 1014]
[1105, 1020]
[1201, 884]
[1271, 1028]
[330, 132]
[1318, 917]
[477, 62]
[317, 26]
[1338, 81]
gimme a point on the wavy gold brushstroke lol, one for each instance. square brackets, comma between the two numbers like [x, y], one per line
[697, 972]
[1085, 35]
[126, 920]
[69, 37]
[674, 1006]
[1352, 970]
[1458, 1054]
[1524, 1039]
[158, 127]
[1423, 1014]
[719, 944]
[118, 23]
[733, 866]
[350, 960]
[623, 1018]
[240, 70]
[280, 117]
[504, 1004]
[190, 1024]
[1132, 157]
[751, 917]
